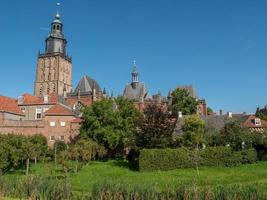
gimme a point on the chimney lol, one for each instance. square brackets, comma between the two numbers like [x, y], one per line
[46, 98]
[20, 99]
[94, 95]
[230, 114]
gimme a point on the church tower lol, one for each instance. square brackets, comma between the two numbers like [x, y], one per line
[54, 68]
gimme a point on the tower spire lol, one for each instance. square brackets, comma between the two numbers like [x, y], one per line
[134, 75]
[58, 15]
[56, 42]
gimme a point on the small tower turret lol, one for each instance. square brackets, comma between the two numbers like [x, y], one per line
[134, 75]
[56, 42]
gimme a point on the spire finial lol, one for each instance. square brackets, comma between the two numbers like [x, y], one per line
[134, 63]
[58, 15]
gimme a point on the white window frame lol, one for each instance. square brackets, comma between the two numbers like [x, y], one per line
[54, 138]
[63, 124]
[38, 111]
[52, 124]
[257, 122]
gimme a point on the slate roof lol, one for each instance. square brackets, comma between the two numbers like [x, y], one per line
[9, 105]
[135, 93]
[219, 121]
[59, 110]
[86, 85]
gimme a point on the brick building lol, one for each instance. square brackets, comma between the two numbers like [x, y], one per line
[55, 108]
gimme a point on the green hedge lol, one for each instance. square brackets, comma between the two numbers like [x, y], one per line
[167, 159]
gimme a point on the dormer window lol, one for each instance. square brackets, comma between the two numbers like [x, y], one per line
[257, 122]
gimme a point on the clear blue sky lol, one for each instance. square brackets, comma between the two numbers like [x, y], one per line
[218, 46]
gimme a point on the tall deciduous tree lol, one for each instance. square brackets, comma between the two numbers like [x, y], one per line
[110, 122]
[155, 128]
[183, 102]
[235, 135]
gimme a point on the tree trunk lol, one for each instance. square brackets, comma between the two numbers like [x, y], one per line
[55, 155]
[27, 166]
[35, 160]
[76, 167]
[197, 158]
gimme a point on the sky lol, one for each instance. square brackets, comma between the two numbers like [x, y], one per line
[219, 47]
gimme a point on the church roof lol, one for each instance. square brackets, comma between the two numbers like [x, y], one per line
[135, 93]
[86, 85]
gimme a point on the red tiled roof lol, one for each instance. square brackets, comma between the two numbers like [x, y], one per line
[33, 100]
[86, 101]
[250, 122]
[59, 110]
[10, 105]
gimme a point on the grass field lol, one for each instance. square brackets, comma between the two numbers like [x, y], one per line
[118, 172]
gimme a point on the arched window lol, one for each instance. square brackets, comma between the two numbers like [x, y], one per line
[57, 27]
[54, 27]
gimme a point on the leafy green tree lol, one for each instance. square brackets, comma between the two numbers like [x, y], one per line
[183, 102]
[193, 131]
[235, 135]
[39, 146]
[4, 157]
[59, 146]
[209, 111]
[155, 129]
[27, 152]
[111, 123]
[193, 136]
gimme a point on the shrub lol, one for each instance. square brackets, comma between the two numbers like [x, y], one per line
[167, 159]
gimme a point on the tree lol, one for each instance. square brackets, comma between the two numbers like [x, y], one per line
[39, 146]
[81, 152]
[183, 102]
[155, 128]
[235, 135]
[209, 111]
[111, 123]
[27, 153]
[59, 146]
[193, 136]
[193, 131]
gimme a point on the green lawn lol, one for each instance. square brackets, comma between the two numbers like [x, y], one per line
[117, 171]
